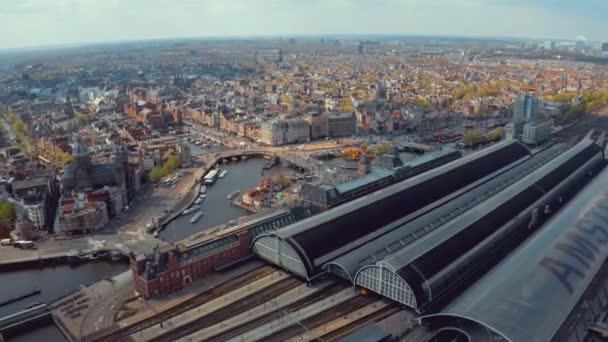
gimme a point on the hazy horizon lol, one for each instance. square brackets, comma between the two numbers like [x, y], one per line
[42, 23]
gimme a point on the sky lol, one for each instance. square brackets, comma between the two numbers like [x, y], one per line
[25, 23]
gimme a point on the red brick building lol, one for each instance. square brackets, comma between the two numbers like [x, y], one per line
[168, 268]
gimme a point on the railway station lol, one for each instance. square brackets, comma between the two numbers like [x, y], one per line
[303, 248]
[433, 250]
[411, 256]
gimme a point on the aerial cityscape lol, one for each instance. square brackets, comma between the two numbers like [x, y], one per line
[271, 174]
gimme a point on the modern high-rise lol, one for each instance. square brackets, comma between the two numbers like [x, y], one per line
[525, 108]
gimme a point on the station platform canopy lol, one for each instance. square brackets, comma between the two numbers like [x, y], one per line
[304, 247]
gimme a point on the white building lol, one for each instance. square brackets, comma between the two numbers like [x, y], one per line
[538, 132]
[34, 213]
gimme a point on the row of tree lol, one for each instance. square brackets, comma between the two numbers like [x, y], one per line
[591, 100]
[472, 138]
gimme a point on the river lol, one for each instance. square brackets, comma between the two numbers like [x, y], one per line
[242, 175]
[54, 282]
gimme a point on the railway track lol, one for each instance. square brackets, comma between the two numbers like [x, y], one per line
[306, 301]
[348, 329]
[231, 310]
[581, 128]
[324, 317]
[122, 334]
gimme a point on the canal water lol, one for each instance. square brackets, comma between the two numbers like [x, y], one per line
[54, 282]
[217, 209]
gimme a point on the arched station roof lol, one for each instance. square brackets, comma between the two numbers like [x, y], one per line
[531, 293]
[325, 236]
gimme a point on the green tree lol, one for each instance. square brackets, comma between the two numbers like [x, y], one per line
[64, 158]
[156, 174]
[82, 119]
[495, 135]
[422, 103]
[172, 163]
[383, 149]
[346, 106]
[281, 179]
[564, 97]
[7, 210]
[574, 113]
[471, 138]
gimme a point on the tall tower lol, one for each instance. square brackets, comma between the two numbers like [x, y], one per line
[280, 55]
[525, 108]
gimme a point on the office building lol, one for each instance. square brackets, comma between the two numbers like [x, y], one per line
[525, 108]
[281, 132]
[536, 133]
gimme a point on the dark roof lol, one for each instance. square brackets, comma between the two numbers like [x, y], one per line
[102, 170]
[398, 234]
[30, 183]
[326, 232]
[530, 294]
[418, 263]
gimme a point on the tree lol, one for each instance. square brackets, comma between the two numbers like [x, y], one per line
[156, 174]
[7, 210]
[383, 149]
[172, 164]
[495, 135]
[471, 138]
[421, 102]
[82, 119]
[565, 97]
[574, 113]
[282, 180]
[64, 158]
[346, 106]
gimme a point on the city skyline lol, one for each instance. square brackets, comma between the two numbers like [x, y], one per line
[65, 22]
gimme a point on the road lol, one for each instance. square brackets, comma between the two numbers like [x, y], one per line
[48, 249]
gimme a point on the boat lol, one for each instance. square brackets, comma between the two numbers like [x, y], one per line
[200, 199]
[223, 174]
[211, 176]
[203, 189]
[234, 194]
[190, 210]
[196, 217]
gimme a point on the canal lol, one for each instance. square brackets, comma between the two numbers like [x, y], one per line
[54, 282]
[217, 209]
